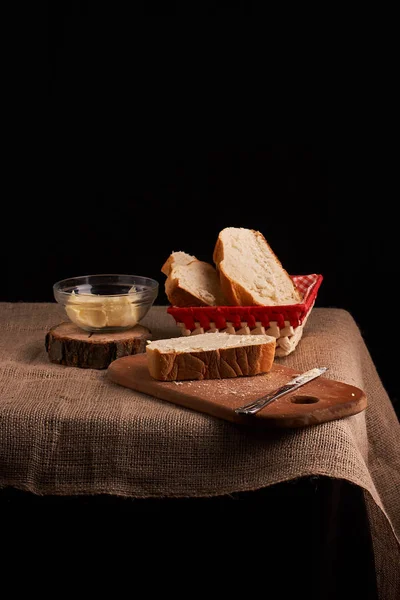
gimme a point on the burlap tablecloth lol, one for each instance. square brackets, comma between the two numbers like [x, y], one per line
[70, 431]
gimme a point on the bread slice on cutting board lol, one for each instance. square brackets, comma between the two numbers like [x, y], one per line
[194, 284]
[210, 356]
[175, 259]
[249, 271]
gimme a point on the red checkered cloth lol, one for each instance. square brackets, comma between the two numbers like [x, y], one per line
[305, 284]
[308, 285]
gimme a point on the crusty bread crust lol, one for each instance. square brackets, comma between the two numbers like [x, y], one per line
[169, 263]
[235, 293]
[211, 364]
[179, 296]
[167, 266]
[183, 294]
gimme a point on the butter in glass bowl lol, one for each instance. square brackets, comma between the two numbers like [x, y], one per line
[106, 303]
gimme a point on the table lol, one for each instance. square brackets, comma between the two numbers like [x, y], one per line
[68, 432]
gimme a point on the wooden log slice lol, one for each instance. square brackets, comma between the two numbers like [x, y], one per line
[67, 344]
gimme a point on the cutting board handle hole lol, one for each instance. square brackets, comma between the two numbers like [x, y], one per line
[304, 399]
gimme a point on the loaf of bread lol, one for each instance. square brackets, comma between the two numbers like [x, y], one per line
[194, 284]
[250, 273]
[175, 259]
[210, 356]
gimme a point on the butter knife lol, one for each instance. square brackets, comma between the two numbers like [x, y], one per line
[293, 384]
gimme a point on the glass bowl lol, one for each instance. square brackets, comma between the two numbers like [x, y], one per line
[106, 303]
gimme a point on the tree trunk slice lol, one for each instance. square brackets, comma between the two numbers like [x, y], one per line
[67, 344]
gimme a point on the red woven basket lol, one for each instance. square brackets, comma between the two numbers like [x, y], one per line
[280, 321]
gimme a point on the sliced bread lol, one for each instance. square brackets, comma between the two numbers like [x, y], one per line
[250, 273]
[175, 259]
[210, 356]
[194, 284]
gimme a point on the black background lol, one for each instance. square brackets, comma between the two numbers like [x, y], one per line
[143, 154]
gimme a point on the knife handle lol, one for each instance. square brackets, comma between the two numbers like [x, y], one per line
[254, 407]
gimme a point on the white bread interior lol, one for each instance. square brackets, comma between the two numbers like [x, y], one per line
[175, 259]
[207, 341]
[250, 272]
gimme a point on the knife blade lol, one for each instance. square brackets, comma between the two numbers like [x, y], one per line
[255, 406]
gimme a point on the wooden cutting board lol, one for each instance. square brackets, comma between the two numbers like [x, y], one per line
[315, 402]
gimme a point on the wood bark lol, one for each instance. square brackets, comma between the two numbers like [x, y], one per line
[67, 344]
